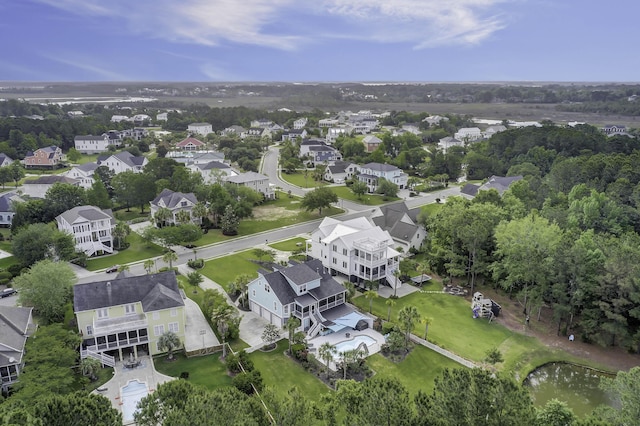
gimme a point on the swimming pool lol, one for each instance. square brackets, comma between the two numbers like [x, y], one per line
[130, 395]
[348, 345]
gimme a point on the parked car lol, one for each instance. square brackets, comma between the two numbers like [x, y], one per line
[112, 269]
[8, 292]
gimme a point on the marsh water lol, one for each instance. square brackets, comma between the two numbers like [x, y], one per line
[573, 384]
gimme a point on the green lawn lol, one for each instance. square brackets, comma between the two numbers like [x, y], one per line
[207, 371]
[454, 329]
[432, 208]
[367, 199]
[281, 373]
[289, 245]
[298, 179]
[5, 262]
[224, 270]
[134, 213]
[138, 250]
[416, 372]
[5, 244]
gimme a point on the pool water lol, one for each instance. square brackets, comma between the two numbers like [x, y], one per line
[348, 345]
[130, 395]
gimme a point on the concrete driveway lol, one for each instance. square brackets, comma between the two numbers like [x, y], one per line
[198, 334]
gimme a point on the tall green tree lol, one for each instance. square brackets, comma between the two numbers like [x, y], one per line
[78, 408]
[385, 401]
[62, 197]
[98, 195]
[408, 316]
[169, 342]
[319, 198]
[626, 390]
[41, 241]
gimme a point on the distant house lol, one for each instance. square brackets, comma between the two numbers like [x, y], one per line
[499, 183]
[292, 135]
[91, 144]
[48, 157]
[5, 160]
[16, 325]
[213, 171]
[207, 157]
[119, 118]
[190, 144]
[200, 128]
[492, 130]
[163, 116]
[371, 174]
[255, 181]
[371, 142]
[122, 162]
[91, 228]
[37, 188]
[140, 119]
[262, 123]
[435, 119]
[613, 129]
[175, 202]
[445, 143]
[75, 114]
[137, 133]
[300, 123]
[7, 207]
[340, 172]
[401, 223]
[83, 173]
[412, 128]
[126, 315]
[468, 134]
[234, 130]
[334, 133]
[319, 152]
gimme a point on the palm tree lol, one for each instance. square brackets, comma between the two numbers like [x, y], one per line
[221, 316]
[390, 303]
[242, 285]
[199, 210]
[162, 216]
[90, 367]
[370, 295]
[183, 216]
[426, 321]
[168, 342]
[327, 352]
[169, 257]
[292, 325]
[407, 317]
[148, 265]
[423, 268]
[120, 232]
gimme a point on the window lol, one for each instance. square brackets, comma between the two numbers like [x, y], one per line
[266, 288]
[174, 327]
[335, 247]
[130, 309]
[89, 330]
[253, 292]
[344, 251]
[103, 313]
[335, 260]
[275, 307]
[285, 309]
[158, 330]
[174, 312]
[156, 315]
[344, 264]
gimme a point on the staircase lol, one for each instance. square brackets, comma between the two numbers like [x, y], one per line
[317, 319]
[105, 359]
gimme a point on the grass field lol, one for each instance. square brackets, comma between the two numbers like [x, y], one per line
[138, 250]
[289, 245]
[367, 199]
[224, 270]
[208, 371]
[299, 179]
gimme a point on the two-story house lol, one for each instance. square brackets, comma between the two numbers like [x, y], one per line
[306, 291]
[255, 181]
[37, 188]
[355, 248]
[340, 172]
[16, 324]
[175, 202]
[318, 152]
[5, 160]
[123, 161]
[82, 173]
[200, 128]
[447, 142]
[91, 144]
[47, 157]
[213, 171]
[300, 123]
[295, 134]
[190, 144]
[8, 208]
[371, 142]
[371, 173]
[401, 223]
[91, 228]
[469, 134]
[125, 315]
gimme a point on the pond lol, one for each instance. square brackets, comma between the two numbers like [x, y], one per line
[573, 384]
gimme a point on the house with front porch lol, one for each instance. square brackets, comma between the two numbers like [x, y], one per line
[127, 315]
[82, 173]
[371, 173]
[8, 202]
[91, 228]
[123, 161]
[91, 144]
[256, 181]
[16, 325]
[306, 291]
[47, 157]
[175, 202]
[340, 172]
[355, 248]
[213, 171]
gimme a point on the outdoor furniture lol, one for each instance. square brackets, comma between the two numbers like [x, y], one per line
[132, 363]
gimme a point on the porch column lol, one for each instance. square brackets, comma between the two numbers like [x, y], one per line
[135, 351]
[120, 353]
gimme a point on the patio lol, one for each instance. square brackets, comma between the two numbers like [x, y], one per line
[343, 335]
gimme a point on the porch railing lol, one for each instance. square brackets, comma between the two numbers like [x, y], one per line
[105, 359]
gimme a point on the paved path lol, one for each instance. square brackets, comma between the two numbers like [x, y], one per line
[198, 333]
[444, 352]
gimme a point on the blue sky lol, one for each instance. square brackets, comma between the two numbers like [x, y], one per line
[319, 40]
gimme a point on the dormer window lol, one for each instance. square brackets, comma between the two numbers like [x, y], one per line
[303, 288]
[267, 288]
[183, 204]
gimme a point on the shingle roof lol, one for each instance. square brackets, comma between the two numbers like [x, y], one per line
[125, 156]
[300, 274]
[380, 167]
[470, 189]
[7, 200]
[171, 198]
[14, 326]
[90, 213]
[190, 140]
[280, 287]
[155, 291]
[246, 177]
[50, 180]
[214, 165]
[499, 183]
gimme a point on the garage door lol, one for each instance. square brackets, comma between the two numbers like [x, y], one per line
[266, 314]
[255, 308]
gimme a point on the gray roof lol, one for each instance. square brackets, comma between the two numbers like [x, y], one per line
[214, 165]
[88, 167]
[339, 167]
[14, 328]
[280, 287]
[50, 180]
[328, 285]
[7, 200]
[90, 213]
[171, 198]
[499, 183]
[125, 156]
[380, 167]
[155, 291]
[470, 189]
[246, 177]
[398, 221]
[300, 274]
[89, 138]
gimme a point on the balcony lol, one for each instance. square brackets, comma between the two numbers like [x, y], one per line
[119, 324]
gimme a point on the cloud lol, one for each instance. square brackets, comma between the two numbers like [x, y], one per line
[96, 69]
[280, 24]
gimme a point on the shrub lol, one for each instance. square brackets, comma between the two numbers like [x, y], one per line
[196, 264]
[388, 327]
[15, 269]
[243, 382]
[184, 375]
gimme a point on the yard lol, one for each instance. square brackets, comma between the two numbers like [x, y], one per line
[137, 251]
[208, 371]
[367, 199]
[299, 179]
[289, 245]
[224, 270]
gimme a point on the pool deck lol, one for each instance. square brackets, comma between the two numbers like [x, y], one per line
[145, 373]
[341, 336]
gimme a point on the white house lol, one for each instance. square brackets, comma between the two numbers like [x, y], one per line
[37, 188]
[340, 172]
[175, 202]
[300, 123]
[355, 248]
[255, 181]
[163, 116]
[445, 143]
[91, 228]
[468, 134]
[492, 130]
[119, 118]
[7, 207]
[213, 171]
[190, 144]
[262, 123]
[401, 223]
[90, 144]
[83, 173]
[200, 128]
[371, 173]
[122, 162]
[5, 160]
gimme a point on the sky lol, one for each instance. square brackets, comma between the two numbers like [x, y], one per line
[320, 40]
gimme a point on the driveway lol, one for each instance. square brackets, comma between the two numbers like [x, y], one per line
[198, 334]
